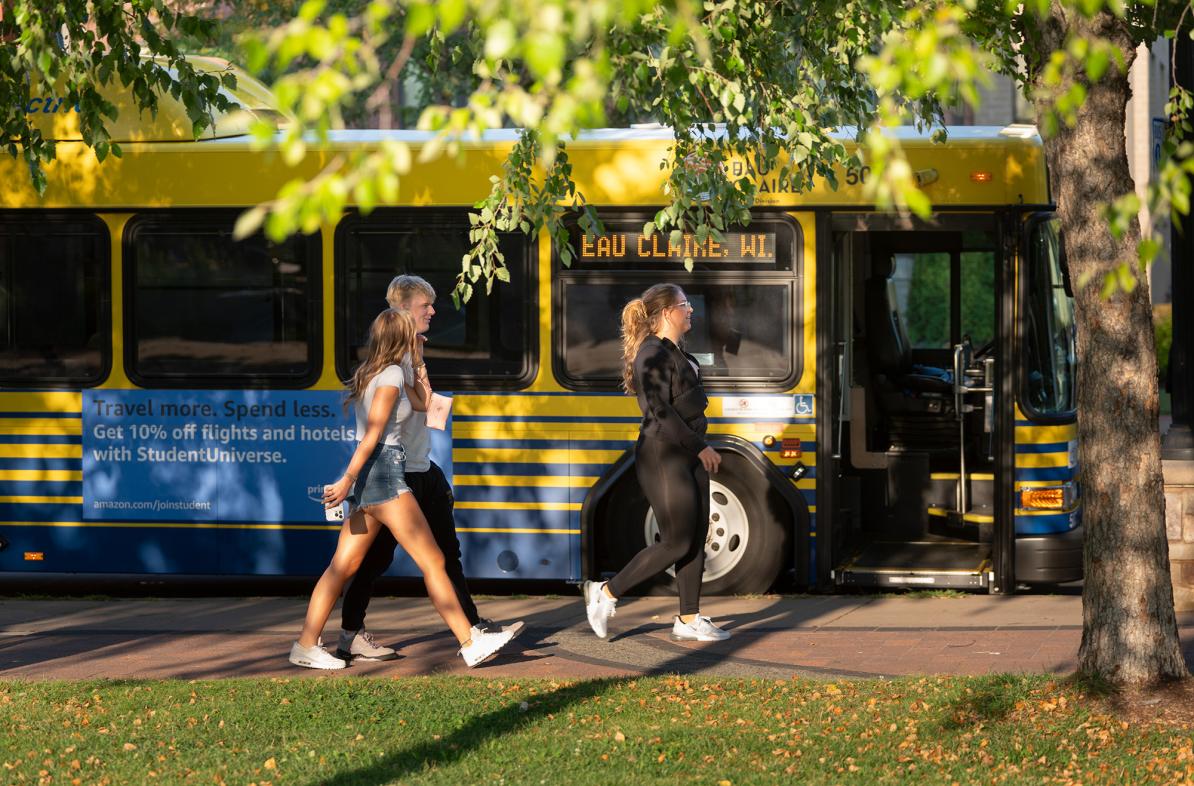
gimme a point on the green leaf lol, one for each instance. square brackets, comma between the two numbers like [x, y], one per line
[500, 39]
[1127, 277]
[545, 54]
[249, 222]
[310, 10]
[918, 202]
[420, 18]
[1096, 64]
[1148, 249]
[451, 14]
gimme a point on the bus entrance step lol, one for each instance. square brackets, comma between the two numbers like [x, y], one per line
[917, 564]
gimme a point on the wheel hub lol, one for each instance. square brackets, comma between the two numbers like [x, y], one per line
[729, 532]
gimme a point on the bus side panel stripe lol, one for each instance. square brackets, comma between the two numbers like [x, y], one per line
[503, 468]
[1040, 460]
[513, 519]
[516, 494]
[41, 463]
[40, 451]
[1044, 525]
[1043, 447]
[1045, 473]
[41, 439]
[39, 511]
[562, 443]
[31, 488]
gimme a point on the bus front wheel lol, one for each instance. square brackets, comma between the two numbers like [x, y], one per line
[746, 544]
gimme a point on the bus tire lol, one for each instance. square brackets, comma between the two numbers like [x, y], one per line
[747, 544]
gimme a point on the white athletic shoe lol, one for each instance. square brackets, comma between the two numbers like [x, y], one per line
[314, 657]
[700, 629]
[361, 645]
[484, 645]
[599, 607]
[489, 626]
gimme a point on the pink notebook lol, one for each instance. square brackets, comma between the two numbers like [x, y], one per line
[438, 410]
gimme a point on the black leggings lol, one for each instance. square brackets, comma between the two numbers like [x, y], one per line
[434, 496]
[677, 487]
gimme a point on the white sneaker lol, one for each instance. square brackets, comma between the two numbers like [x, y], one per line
[314, 657]
[361, 645]
[489, 626]
[700, 629]
[599, 607]
[484, 645]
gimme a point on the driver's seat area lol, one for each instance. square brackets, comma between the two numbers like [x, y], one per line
[889, 350]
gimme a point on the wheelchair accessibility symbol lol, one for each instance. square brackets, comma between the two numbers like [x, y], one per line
[804, 405]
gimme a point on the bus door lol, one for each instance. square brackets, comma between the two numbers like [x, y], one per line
[914, 346]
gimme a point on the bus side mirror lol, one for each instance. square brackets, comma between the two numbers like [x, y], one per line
[1064, 263]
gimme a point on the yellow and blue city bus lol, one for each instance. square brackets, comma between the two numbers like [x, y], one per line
[893, 398]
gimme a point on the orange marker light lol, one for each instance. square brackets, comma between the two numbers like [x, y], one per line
[1053, 497]
[790, 448]
[981, 176]
[34, 556]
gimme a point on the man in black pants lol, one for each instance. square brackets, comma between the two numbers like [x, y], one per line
[431, 491]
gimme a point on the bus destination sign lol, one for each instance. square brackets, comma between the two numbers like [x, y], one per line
[733, 248]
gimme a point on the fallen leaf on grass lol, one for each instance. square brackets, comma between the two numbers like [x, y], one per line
[271, 763]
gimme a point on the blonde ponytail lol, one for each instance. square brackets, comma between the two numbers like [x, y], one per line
[640, 318]
[635, 327]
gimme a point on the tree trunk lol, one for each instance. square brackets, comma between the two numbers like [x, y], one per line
[1129, 630]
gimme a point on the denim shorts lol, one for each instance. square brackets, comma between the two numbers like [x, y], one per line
[382, 479]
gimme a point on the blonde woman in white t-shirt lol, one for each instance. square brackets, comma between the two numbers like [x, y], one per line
[375, 486]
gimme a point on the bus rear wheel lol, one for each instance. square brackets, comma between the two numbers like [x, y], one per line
[745, 548]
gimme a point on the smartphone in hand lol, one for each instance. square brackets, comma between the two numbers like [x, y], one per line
[336, 512]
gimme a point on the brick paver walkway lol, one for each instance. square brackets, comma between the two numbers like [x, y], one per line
[773, 637]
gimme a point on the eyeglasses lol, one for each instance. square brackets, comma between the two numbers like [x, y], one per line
[681, 304]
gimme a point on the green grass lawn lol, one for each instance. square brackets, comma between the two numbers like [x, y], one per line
[454, 730]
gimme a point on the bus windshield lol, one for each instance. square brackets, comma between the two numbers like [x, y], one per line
[1047, 341]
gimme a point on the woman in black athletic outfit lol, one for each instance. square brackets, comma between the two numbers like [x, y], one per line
[671, 460]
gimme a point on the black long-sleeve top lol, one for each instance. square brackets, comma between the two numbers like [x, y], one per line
[670, 394]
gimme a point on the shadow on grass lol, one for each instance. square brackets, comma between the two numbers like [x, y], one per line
[510, 719]
[475, 732]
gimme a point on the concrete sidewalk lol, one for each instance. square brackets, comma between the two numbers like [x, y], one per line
[778, 637]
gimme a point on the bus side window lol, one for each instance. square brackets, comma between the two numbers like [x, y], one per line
[744, 291]
[205, 310]
[742, 331]
[54, 303]
[489, 342]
